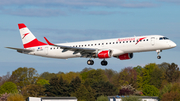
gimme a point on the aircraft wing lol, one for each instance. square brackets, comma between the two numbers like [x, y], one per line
[84, 51]
[21, 50]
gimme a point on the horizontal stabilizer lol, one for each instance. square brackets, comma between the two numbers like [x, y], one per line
[21, 50]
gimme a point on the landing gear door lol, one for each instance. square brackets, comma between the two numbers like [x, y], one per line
[152, 41]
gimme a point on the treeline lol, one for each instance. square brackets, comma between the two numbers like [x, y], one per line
[161, 80]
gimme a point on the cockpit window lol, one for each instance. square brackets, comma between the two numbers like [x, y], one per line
[163, 38]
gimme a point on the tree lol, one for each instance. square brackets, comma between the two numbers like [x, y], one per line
[131, 98]
[157, 77]
[150, 90]
[103, 88]
[102, 98]
[75, 84]
[110, 74]
[147, 73]
[96, 75]
[24, 76]
[84, 93]
[165, 89]
[127, 90]
[15, 97]
[163, 66]
[128, 76]
[172, 72]
[57, 87]
[43, 82]
[47, 75]
[69, 76]
[4, 78]
[138, 69]
[33, 90]
[171, 96]
[8, 87]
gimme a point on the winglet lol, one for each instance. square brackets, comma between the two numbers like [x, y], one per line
[49, 43]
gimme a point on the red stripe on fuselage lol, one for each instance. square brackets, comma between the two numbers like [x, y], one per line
[34, 43]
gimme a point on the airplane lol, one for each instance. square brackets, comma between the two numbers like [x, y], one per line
[120, 48]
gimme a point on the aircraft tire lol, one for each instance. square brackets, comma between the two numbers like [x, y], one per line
[104, 63]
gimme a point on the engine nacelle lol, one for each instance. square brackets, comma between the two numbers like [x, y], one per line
[104, 54]
[125, 56]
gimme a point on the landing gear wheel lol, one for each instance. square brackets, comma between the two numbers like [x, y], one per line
[159, 57]
[104, 63]
[158, 52]
[90, 62]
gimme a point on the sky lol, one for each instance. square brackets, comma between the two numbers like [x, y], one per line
[64, 21]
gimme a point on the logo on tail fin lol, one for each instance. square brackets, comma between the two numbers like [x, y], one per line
[25, 35]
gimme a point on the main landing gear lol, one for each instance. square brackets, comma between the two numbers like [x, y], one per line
[158, 52]
[104, 62]
[91, 62]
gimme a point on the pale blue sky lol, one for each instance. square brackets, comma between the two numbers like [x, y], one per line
[79, 20]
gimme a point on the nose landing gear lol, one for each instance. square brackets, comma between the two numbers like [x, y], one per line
[158, 52]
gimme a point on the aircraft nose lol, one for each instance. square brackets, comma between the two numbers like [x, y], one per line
[172, 44]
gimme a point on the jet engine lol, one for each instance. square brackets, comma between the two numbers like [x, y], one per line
[104, 54]
[125, 56]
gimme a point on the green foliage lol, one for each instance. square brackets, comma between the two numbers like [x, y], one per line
[75, 84]
[171, 96]
[102, 98]
[110, 74]
[157, 77]
[57, 87]
[96, 75]
[84, 93]
[24, 76]
[166, 89]
[131, 98]
[151, 75]
[69, 76]
[128, 76]
[47, 75]
[172, 72]
[33, 90]
[176, 87]
[43, 82]
[147, 73]
[138, 69]
[8, 87]
[104, 88]
[15, 97]
[150, 90]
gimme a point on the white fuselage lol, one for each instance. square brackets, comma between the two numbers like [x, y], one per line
[118, 46]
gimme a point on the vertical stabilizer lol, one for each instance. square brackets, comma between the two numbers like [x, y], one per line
[28, 39]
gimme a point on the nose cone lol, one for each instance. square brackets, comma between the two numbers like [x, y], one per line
[172, 44]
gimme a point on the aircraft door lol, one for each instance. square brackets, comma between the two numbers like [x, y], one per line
[152, 41]
[46, 50]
